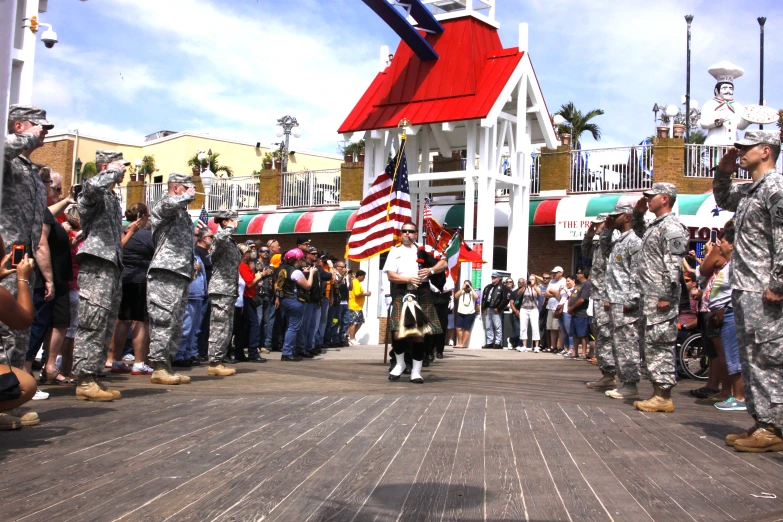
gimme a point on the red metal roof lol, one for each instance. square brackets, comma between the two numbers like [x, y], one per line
[462, 84]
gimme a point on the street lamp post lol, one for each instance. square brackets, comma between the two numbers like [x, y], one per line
[761, 20]
[138, 167]
[671, 112]
[287, 125]
[688, 20]
[78, 166]
[207, 176]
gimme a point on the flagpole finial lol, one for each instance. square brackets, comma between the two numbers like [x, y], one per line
[404, 123]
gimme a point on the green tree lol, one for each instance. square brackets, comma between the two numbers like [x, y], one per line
[697, 137]
[89, 170]
[579, 123]
[147, 166]
[211, 162]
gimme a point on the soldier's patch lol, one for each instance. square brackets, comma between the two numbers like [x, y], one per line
[619, 257]
[678, 246]
[777, 216]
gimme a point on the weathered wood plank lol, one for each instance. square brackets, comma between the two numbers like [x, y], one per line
[504, 497]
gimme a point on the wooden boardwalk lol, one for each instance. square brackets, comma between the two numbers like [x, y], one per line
[483, 439]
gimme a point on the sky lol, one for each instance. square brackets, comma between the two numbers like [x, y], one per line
[126, 68]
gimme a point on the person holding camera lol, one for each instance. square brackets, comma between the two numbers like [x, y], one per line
[494, 300]
[524, 306]
[465, 298]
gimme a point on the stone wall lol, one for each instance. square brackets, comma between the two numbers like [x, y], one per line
[352, 181]
[57, 155]
[669, 166]
[556, 168]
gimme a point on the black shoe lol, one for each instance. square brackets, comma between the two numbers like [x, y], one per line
[241, 358]
[498, 347]
[408, 370]
[194, 361]
[426, 362]
[432, 357]
[229, 360]
[488, 346]
[257, 359]
[290, 358]
[306, 355]
[182, 363]
[439, 355]
[315, 352]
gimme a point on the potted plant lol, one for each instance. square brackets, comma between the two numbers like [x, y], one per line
[276, 156]
[268, 161]
[147, 167]
[780, 122]
[679, 126]
[348, 153]
[360, 151]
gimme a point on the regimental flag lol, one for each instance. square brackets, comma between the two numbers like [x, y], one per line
[437, 236]
[452, 255]
[203, 219]
[382, 211]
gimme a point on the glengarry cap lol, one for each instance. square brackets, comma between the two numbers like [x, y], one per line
[759, 137]
[622, 208]
[109, 156]
[227, 214]
[666, 189]
[29, 113]
[184, 179]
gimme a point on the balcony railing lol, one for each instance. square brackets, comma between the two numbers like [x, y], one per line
[122, 193]
[240, 193]
[700, 159]
[611, 169]
[310, 188]
[153, 193]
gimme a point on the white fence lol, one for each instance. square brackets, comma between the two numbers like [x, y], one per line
[240, 193]
[310, 188]
[122, 193]
[154, 192]
[700, 159]
[610, 169]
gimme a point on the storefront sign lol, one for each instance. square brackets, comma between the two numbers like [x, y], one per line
[571, 230]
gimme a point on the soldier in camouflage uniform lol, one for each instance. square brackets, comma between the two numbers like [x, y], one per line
[169, 276]
[664, 245]
[223, 288]
[622, 299]
[601, 318]
[100, 268]
[757, 283]
[21, 222]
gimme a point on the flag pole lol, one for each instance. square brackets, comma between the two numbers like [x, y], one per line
[403, 138]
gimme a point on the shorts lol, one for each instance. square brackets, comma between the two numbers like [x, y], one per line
[450, 322]
[133, 306]
[465, 321]
[73, 301]
[552, 322]
[355, 317]
[710, 330]
[61, 315]
[580, 326]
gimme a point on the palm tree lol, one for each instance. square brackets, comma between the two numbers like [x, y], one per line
[211, 163]
[578, 123]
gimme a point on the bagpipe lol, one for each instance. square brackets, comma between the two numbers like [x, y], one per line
[413, 321]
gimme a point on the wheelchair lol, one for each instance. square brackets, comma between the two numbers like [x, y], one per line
[692, 362]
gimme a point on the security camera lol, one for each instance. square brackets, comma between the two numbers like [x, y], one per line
[49, 38]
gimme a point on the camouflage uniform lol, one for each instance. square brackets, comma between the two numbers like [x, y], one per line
[170, 272]
[664, 245]
[223, 288]
[21, 222]
[100, 267]
[621, 291]
[601, 317]
[757, 264]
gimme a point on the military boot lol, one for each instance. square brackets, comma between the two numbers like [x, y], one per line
[661, 401]
[734, 437]
[88, 390]
[162, 374]
[183, 379]
[626, 390]
[115, 393]
[607, 381]
[762, 440]
[9, 422]
[29, 418]
[219, 370]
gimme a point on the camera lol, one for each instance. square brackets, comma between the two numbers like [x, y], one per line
[49, 38]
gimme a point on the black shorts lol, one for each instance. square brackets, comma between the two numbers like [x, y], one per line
[61, 314]
[133, 306]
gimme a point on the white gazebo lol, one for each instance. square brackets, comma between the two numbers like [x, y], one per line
[477, 98]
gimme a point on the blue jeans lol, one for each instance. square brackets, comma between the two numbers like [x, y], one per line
[315, 325]
[304, 336]
[514, 337]
[565, 330]
[337, 329]
[728, 336]
[202, 338]
[249, 327]
[266, 322]
[294, 313]
[191, 324]
[322, 323]
[42, 320]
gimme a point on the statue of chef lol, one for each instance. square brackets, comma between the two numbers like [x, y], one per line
[722, 116]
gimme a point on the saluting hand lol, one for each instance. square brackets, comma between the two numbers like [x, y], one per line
[728, 163]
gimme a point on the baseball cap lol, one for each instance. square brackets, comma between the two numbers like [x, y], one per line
[109, 156]
[300, 240]
[557, 269]
[29, 113]
[184, 179]
[666, 189]
[759, 137]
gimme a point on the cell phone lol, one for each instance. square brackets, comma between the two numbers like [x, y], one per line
[76, 190]
[713, 236]
[18, 254]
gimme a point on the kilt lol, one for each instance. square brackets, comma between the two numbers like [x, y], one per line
[425, 300]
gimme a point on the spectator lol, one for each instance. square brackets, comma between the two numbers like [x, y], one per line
[266, 291]
[326, 274]
[566, 342]
[73, 227]
[355, 306]
[527, 304]
[466, 298]
[203, 250]
[137, 252]
[552, 293]
[542, 311]
[236, 354]
[187, 355]
[514, 303]
[311, 324]
[289, 280]
[494, 299]
[247, 335]
[340, 296]
[578, 303]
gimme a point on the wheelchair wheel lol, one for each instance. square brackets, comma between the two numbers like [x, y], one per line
[693, 362]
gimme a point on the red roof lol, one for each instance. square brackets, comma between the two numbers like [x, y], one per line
[462, 84]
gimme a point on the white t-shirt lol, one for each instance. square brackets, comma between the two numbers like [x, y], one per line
[240, 302]
[402, 261]
[559, 285]
[296, 275]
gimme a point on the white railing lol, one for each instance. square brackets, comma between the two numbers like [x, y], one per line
[535, 177]
[239, 193]
[122, 193]
[700, 159]
[611, 169]
[153, 193]
[310, 188]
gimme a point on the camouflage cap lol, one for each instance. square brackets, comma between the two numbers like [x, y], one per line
[109, 156]
[600, 218]
[227, 214]
[622, 208]
[758, 137]
[666, 189]
[29, 113]
[184, 179]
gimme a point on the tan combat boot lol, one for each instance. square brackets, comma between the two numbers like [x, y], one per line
[114, 393]
[220, 370]
[162, 374]
[29, 418]
[183, 379]
[88, 390]
[734, 437]
[762, 440]
[9, 422]
[607, 381]
[626, 390]
[661, 401]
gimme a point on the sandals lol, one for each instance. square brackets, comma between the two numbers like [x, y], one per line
[52, 378]
[703, 393]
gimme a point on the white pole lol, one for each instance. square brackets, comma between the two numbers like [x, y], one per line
[7, 19]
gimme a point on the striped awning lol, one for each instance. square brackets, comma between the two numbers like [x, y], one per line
[294, 222]
[542, 212]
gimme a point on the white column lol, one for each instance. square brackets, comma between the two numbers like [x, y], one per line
[519, 220]
[24, 58]
[7, 24]
[369, 332]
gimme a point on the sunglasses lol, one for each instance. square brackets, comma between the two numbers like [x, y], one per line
[410, 231]
[264, 251]
[57, 189]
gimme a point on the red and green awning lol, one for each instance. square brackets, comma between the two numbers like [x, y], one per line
[294, 222]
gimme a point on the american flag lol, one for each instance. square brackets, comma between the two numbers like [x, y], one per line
[203, 219]
[427, 210]
[382, 211]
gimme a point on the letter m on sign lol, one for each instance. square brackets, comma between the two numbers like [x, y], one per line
[399, 23]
